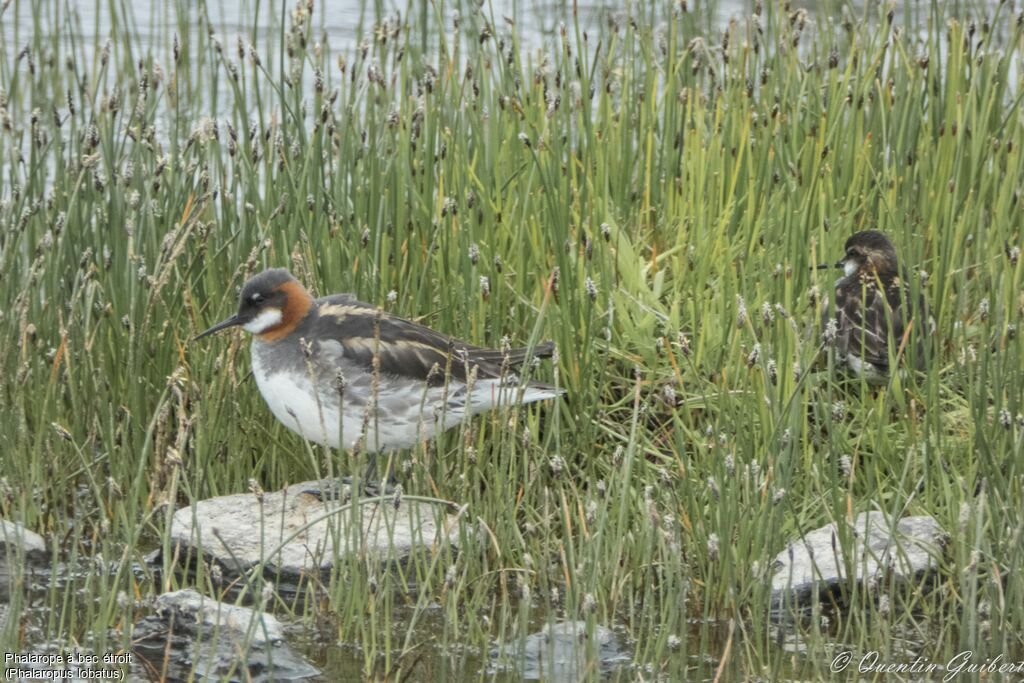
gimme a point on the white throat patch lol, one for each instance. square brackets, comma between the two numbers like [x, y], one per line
[264, 321]
[849, 267]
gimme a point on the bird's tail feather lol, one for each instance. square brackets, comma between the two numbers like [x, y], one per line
[491, 393]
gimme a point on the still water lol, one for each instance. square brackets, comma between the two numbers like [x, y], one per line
[340, 23]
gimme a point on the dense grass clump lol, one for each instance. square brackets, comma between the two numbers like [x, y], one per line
[645, 188]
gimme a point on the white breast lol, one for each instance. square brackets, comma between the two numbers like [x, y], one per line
[407, 412]
[292, 402]
[864, 369]
[292, 399]
[403, 418]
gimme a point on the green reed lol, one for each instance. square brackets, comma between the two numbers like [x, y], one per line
[648, 189]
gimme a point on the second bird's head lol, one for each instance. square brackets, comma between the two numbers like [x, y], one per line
[271, 305]
[868, 251]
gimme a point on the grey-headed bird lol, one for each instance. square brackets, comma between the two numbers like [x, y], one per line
[343, 373]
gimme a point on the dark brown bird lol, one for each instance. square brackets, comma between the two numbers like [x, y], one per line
[875, 322]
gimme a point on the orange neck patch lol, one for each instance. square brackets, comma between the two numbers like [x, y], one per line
[297, 307]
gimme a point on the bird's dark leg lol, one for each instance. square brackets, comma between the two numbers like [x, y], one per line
[373, 485]
[339, 490]
[370, 483]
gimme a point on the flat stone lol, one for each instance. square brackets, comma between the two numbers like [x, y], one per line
[560, 652]
[15, 539]
[814, 568]
[193, 636]
[20, 551]
[294, 532]
[196, 615]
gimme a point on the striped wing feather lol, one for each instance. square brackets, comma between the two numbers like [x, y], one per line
[408, 349]
[868, 317]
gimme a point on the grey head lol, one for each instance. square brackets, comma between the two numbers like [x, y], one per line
[268, 300]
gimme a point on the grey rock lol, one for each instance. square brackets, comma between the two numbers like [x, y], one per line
[561, 652]
[294, 532]
[16, 539]
[20, 550]
[190, 635]
[196, 615]
[814, 568]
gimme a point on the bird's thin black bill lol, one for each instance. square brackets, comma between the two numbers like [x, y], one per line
[230, 322]
[826, 266]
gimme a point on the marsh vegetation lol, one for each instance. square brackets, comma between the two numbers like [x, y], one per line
[647, 189]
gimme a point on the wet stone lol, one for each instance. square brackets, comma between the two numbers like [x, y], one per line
[814, 569]
[560, 653]
[20, 550]
[194, 614]
[193, 636]
[293, 532]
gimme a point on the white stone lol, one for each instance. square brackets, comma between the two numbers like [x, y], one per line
[202, 616]
[294, 532]
[815, 563]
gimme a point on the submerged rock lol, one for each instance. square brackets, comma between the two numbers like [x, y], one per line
[194, 615]
[16, 539]
[561, 652]
[192, 634]
[813, 568]
[294, 532]
[20, 548]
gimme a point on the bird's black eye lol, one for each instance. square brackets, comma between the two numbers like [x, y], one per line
[256, 298]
